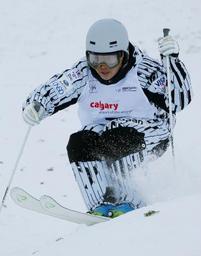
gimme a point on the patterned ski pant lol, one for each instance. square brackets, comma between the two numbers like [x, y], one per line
[104, 157]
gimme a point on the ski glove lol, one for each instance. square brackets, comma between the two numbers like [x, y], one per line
[168, 46]
[33, 113]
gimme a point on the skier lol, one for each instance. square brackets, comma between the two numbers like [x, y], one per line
[123, 108]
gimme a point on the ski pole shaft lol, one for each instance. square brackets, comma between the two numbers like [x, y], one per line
[15, 166]
[166, 33]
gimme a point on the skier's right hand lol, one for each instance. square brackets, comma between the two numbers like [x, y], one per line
[33, 113]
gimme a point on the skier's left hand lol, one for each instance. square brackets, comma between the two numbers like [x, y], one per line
[168, 46]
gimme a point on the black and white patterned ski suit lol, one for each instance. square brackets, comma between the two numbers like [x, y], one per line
[124, 122]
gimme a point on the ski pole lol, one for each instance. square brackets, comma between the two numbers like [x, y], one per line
[166, 33]
[15, 166]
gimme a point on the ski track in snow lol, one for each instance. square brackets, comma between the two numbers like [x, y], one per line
[41, 38]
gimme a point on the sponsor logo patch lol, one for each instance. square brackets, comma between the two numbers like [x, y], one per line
[129, 89]
[102, 106]
[59, 89]
[74, 75]
[92, 88]
[160, 82]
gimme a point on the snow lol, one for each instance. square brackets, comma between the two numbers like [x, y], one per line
[40, 38]
[159, 234]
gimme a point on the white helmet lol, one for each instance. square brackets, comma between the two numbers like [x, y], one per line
[106, 36]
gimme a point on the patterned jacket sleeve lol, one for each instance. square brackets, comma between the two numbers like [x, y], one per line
[153, 79]
[62, 90]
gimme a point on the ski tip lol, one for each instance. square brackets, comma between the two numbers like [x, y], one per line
[19, 195]
[47, 202]
[16, 191]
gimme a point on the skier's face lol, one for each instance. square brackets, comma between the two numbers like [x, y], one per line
[107, 73]
[106, 65]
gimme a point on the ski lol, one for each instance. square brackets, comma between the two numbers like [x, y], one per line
[53, 207]
[48, 206]
[25, 200]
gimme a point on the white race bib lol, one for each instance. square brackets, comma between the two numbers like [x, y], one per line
[99, 102]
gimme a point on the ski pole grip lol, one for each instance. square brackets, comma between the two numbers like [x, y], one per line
[166, 32]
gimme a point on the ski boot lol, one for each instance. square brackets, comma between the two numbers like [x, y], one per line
[112, 210]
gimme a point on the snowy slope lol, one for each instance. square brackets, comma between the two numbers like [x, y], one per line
[40, 38]
[172, 230]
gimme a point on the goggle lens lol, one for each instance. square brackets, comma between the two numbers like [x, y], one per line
[111, 60]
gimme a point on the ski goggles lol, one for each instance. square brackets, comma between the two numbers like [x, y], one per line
[110, 59]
